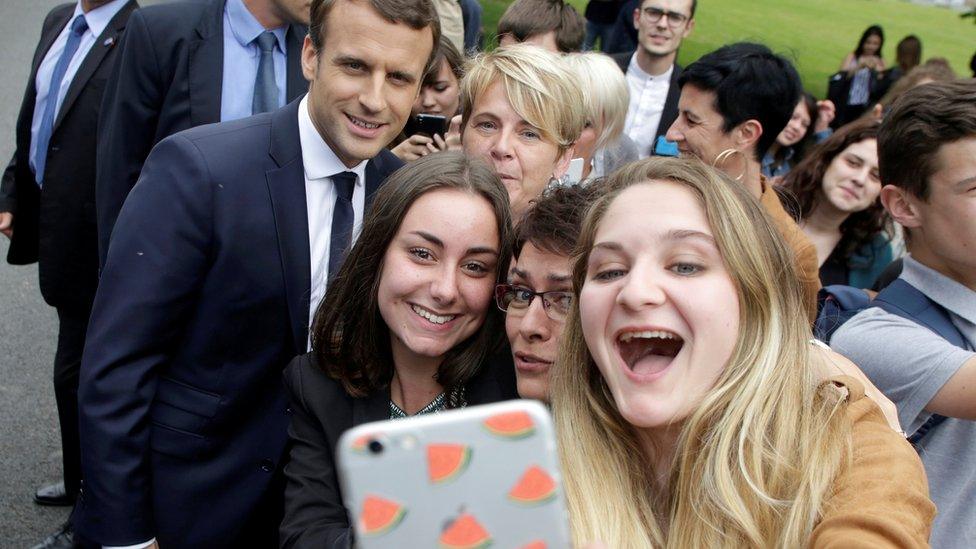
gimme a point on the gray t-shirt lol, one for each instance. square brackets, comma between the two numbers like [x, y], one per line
[909, 363]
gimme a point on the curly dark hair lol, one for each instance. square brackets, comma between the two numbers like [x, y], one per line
[804, 185]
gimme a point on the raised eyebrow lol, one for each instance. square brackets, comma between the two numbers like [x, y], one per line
[429, 238]
[476, 250]
[686, 234]
[610, 246]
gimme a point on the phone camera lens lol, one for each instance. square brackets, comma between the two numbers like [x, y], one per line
[375, 446]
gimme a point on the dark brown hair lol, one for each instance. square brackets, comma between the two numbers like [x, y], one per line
[527, 18]
[445, 50]
[416, 14]
[349, 337]
[908, 53]
[920, 122]
[804, 186]
[553, 221]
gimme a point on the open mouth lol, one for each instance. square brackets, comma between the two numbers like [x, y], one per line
[363, 124]
[432, 317]
[648, 352]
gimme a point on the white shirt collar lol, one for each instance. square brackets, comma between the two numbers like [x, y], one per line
[100, 17]
[635, 68]
[317, 157]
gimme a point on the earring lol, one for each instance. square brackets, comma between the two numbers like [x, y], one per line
[724, 156]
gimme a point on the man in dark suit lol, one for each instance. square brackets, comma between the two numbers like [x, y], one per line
[219, 257]
[652, 73]
[47, 195]
[184, 64]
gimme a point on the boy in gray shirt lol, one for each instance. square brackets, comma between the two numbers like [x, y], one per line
[927, 154]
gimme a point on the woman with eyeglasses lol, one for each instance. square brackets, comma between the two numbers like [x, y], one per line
[539, 291]
[406, 328]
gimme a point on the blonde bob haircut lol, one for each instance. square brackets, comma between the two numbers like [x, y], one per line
[606, 95]
[755, 461]
[539, 86]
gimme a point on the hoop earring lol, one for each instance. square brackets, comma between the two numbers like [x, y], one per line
[724, 156]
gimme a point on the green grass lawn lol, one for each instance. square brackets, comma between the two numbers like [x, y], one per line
[816, 34]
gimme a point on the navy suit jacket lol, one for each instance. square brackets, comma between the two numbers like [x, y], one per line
[56, 228]
[203, 300]
[168, 79]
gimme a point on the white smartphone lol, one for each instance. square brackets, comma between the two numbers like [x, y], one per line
[470, 478]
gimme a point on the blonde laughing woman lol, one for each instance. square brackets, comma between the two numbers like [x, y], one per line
[689, 401]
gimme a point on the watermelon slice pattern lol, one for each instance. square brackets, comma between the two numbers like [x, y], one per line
[510, 425]
[379, 516]
[465, 533]
[445, 462]
[534, 545]
[535, 487]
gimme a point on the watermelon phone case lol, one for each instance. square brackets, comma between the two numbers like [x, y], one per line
[484, 476]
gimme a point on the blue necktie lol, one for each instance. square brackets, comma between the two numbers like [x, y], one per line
[342, 218]
[265, 87]
[78, 28]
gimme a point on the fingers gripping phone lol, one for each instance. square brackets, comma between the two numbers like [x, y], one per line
[485, 475]
[426, 124]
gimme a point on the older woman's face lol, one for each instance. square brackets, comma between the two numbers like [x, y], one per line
[440, 95]
[659, 311]
[515, 149]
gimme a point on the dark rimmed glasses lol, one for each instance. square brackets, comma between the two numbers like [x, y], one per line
[514, 299]
[675, 19]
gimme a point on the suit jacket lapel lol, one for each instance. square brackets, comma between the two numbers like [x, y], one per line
[295, 83]
[670, 112]
[286, 185]
[373, 407]
[206, 67]
[103, 43]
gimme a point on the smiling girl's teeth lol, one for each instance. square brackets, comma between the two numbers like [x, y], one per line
[648, 334]
[436, 319]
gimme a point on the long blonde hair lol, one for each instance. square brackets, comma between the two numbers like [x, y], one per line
[755, 461]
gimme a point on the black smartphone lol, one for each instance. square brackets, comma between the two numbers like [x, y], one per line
[426, 124]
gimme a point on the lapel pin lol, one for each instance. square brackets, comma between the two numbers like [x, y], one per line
[109, 42]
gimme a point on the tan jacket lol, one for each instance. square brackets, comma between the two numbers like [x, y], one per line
[882, 498]
[804, 252]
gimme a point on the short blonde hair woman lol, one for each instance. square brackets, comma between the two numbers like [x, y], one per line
[521, 113]
[606, 97]
[687, 397]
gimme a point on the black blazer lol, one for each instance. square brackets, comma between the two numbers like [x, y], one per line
[322, 411]
[670, 113]
[203, 300]
[168, 79]
[56, 227]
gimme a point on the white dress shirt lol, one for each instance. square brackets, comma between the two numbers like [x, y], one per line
[97, 20]
[320, 165]
[648, 93]
[242, 56]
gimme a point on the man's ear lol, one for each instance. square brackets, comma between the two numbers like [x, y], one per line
[688, 28]
[562, 162]
[637, 14]
[747, 134]
[310, 59]
[902, 206]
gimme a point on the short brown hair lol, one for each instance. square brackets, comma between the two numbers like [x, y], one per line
[526, 18]
[349, 337]
[920, 122]
[553, 220]
[416, 14]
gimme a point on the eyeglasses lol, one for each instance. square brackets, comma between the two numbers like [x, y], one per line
[517, 299]
[675, 19]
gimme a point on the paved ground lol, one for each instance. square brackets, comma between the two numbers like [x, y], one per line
[30, 449]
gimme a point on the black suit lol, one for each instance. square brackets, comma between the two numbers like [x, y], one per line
[204, 298]
[322, 411]
[169, 79]
[670, 112]
[56, 227]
